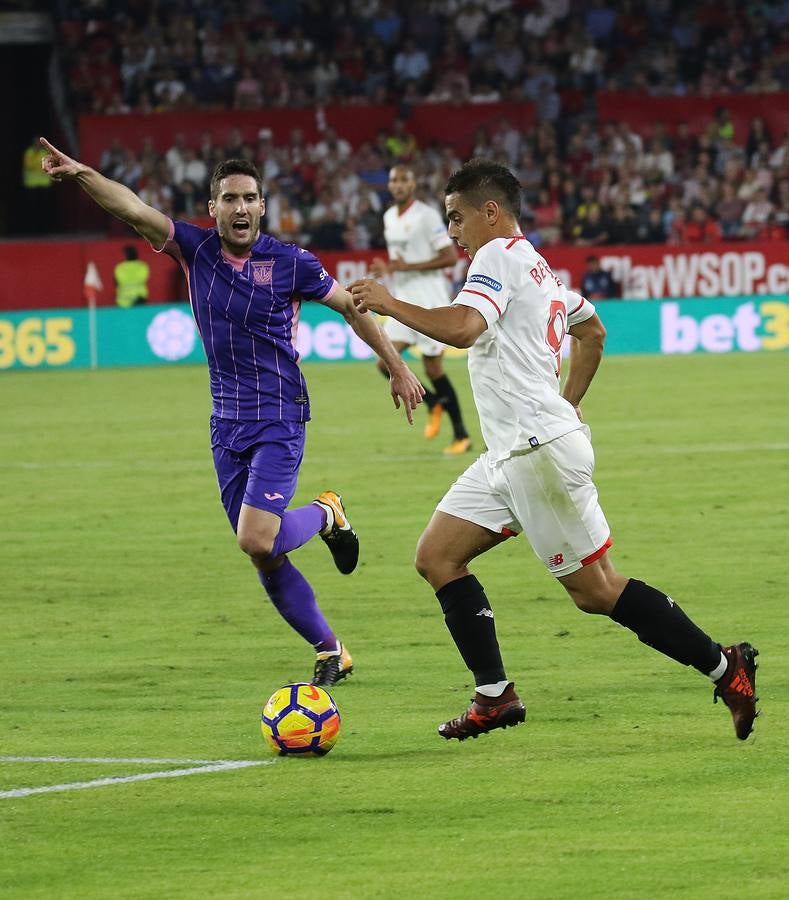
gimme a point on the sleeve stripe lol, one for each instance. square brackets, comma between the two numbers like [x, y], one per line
[480, 294]
[583, 300]
[170, 236]
[520, 237]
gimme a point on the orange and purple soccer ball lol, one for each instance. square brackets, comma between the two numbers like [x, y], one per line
[300, 720]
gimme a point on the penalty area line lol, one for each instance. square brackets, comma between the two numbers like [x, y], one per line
[221, 766]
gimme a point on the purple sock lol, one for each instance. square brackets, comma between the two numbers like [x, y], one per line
[298, 526]
[294, 600]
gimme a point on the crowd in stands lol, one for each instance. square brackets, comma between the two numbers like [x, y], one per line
[608, 185]
[585, 181]
[142, 55]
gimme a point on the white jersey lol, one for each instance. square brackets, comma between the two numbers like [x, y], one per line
[417, 235]
[514, 364]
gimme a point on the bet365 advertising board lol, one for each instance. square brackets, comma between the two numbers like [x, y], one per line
[166, 334]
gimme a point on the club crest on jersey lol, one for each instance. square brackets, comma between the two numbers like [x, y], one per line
[487, 280]
[262, 271]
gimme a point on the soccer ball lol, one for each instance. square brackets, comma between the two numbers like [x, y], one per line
[300, 720]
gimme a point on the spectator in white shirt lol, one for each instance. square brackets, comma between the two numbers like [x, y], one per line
[756, 213]
[411, 63]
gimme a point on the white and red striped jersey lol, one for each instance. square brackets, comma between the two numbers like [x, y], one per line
[514, 364]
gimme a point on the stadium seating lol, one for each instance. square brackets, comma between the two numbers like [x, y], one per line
[655, 128]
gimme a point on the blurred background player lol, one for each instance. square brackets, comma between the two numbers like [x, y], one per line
[131, 279]
[245, 287]
[419, 250]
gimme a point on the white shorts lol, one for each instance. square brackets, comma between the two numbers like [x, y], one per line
[546, 492]
[396, 331]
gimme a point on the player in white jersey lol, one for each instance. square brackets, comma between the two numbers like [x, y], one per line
[419, 249]
[536, 475]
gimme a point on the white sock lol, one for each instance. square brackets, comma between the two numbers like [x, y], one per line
[492, 690]
[719, 670]
[329, 516]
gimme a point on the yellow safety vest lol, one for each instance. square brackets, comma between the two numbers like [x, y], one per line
[33, 176]
[131, 277]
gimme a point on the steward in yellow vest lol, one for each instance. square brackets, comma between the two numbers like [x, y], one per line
[33, 176]
[131, 279]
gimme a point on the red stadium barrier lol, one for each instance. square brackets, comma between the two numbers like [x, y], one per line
[643, 113]
[429, 122]
[50, 274]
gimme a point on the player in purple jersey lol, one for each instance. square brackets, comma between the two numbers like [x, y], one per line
[246, 290]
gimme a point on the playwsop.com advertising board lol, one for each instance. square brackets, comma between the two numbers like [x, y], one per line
[166, 334]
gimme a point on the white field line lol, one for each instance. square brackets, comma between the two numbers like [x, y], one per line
[204, 768]
[136, 760]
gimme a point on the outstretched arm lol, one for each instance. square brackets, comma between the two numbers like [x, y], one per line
[587, 351]
[444, 259]
[403, 383]
[116, 198]
[456, 325]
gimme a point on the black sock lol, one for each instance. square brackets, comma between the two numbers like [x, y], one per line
[660, 623]
[429, 398]
[448, 399]
[470, 622]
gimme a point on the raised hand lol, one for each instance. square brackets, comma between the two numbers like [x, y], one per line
[57, 165]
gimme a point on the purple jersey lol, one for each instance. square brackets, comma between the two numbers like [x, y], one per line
[247, 312]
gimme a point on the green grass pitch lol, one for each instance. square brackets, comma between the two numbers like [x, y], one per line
[132, 626]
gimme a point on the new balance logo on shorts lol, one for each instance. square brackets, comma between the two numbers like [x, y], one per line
[555, 561]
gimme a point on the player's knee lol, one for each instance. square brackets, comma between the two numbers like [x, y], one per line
[595, 601]
[435, 569]
[427, 564]
[422, 564]
[433, 368]
[256, 545]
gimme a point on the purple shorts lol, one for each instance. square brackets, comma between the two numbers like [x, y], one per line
[256, 463]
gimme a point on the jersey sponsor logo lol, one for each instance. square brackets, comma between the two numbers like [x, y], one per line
[486, 280]
[556, 560]
[323, 274]
[262, 271]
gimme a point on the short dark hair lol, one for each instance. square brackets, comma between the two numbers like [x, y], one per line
[403, 167]
[480, 180]
[234, 167]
